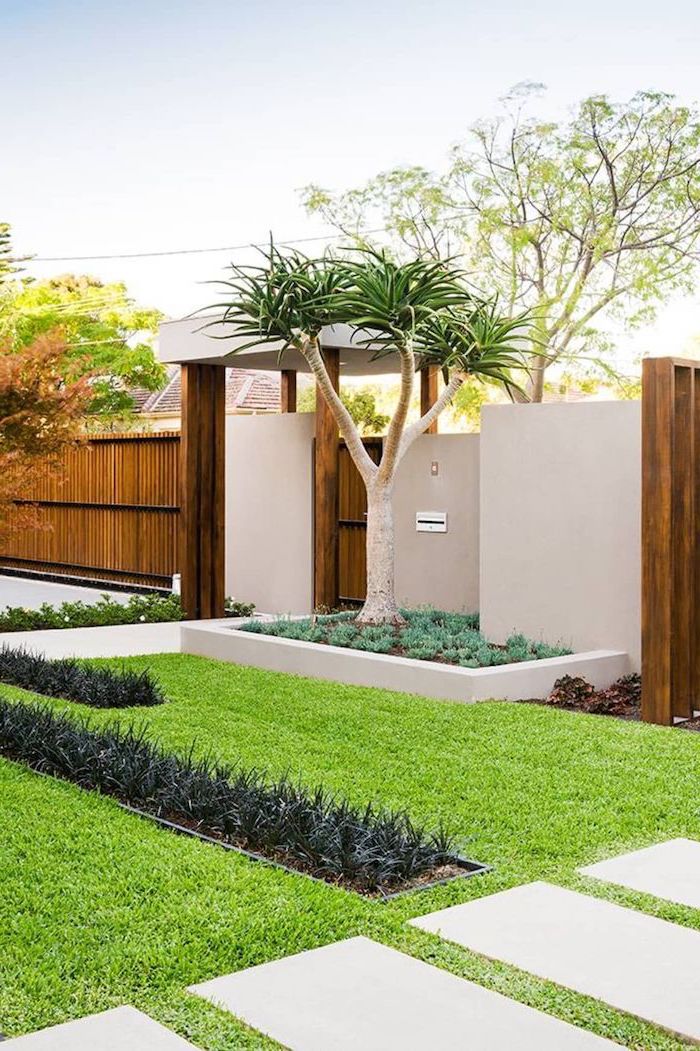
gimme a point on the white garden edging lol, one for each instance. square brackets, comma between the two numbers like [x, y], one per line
[513, 682]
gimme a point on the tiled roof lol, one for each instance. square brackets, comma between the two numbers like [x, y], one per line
[246, 391]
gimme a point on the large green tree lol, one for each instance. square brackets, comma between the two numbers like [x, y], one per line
[588, 222]
[106, 334]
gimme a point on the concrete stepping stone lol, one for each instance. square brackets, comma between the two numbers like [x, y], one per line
[360, 994]
[669, 870]
[121, 1029]
[634, 962]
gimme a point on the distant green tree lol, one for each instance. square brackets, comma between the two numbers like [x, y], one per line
[106, 334]
[467, 403]
[103, 328]
[593, 219]
[361, 403]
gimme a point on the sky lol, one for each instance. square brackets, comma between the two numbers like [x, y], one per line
[157, 126]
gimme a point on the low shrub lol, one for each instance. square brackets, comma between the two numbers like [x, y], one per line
[571, 691]
[364, 847]
[140, 609]
[147, 609]
[234, 608]
[623, 698]
[75, 681]
[428, 634]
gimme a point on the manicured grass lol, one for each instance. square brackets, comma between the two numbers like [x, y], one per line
[99, 907]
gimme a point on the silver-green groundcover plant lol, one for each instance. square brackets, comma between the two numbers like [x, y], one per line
[421, 312]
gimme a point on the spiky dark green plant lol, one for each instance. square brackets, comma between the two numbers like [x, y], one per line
[366, 847]
[74, 681]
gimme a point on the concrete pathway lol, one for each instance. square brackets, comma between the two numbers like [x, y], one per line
[31, 593]
[119, 640]
[122, 1029]
[669, 870]
[632, 961]
[359, 994]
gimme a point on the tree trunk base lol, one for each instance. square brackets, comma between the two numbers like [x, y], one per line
[374, 616]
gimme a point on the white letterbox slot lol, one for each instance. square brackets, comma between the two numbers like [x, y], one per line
[431, 521]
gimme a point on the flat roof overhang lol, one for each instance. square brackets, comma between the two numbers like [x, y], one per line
[195, 341]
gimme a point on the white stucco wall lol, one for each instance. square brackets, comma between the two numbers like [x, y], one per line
[560, 523]
[439, 569]
[269, 512]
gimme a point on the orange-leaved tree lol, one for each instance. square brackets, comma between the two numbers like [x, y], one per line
[41, 412]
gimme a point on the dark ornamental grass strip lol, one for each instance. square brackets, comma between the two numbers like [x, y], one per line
[74, 681]
[366, 849]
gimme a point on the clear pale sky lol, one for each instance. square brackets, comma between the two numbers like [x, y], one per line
[131, 127]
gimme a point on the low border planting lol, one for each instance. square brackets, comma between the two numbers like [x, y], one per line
[429, 634]
[73, 680]
[363, 848]
[106, 612]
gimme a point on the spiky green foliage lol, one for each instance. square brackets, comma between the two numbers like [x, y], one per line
[423, 302]
[76, 681]
[427, 635]
[289, 297]
[365, 847]
[393, 302]
[480, 341]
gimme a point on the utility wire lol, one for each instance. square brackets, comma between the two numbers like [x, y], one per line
[225, 248]
[186, 251]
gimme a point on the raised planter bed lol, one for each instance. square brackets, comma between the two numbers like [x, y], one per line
[221, 640]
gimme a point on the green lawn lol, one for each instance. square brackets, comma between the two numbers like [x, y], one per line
[99, 907]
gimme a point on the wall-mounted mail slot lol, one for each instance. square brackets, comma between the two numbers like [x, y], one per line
[431, 521]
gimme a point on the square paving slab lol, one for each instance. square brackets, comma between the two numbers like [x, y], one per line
[668, 870]
[637, 963]
[357, 994]
[122, 1029]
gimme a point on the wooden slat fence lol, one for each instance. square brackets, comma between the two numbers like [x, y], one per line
[111, 513]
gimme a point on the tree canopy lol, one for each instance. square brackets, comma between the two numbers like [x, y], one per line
[41, 411]
[106, 334]
[592, 220]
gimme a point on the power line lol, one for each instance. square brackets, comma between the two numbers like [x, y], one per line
[224, 248]
[185, 251]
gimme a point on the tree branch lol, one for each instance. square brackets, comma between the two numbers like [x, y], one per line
[419, 427]
[389, 460]
[346, 425]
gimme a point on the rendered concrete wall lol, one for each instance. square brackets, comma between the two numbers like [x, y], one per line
[439, 569]
[269, 511]
[560, 524]
[447, 682]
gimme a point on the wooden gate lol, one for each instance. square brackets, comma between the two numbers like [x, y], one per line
[111, 513]
[670, 539]
[352, 524]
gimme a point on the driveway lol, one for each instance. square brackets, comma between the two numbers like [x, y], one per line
[31, 594]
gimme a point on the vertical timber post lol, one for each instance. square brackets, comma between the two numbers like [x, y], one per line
[670, 545]
[288, 390]
[326, 493]
[429, 393]
[202, 496]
